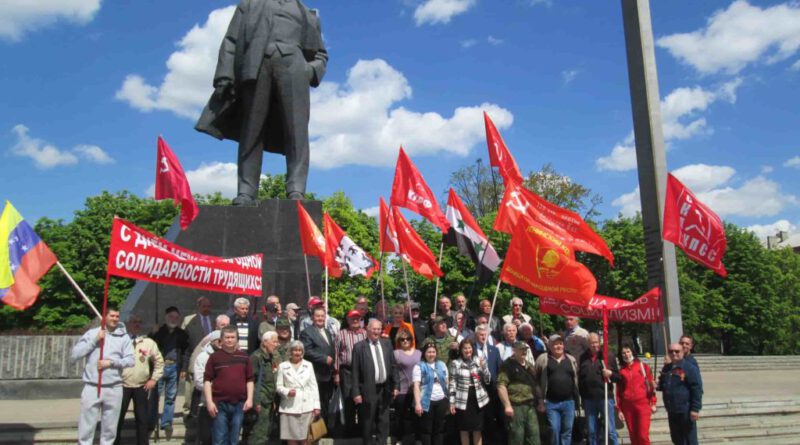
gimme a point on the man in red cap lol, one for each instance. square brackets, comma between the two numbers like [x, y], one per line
[331, 323]
[347, 338]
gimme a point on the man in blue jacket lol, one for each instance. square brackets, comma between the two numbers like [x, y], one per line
[103, 404]
[683, 396]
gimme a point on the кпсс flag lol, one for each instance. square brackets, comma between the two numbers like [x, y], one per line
[542, 264]
[24, 259]
[348, 256]
[171, 183]
[466, 234]
[692, 226]
[409, 190]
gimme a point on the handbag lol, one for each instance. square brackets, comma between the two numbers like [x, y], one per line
[317, 430]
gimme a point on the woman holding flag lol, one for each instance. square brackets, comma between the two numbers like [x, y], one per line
[636, 395]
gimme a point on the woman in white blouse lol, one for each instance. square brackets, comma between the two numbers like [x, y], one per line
[297, 386]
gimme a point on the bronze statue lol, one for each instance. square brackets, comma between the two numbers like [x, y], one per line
[271, 53]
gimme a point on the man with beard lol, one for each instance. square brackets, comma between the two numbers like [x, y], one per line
[173, 342]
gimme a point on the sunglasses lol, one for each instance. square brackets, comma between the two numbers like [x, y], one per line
[404, 339]
[675, 351]
[517, 305]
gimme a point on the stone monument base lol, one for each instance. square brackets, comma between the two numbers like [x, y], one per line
[271, 228]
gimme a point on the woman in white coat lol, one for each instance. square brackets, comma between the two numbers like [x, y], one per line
[297, 386]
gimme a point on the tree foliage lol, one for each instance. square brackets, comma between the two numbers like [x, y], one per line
[755, 310]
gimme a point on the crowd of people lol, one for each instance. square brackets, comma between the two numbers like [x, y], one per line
[381, 372]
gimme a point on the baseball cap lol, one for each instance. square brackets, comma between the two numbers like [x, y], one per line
[439, 319]
[283, 323]
[354, 314]
[556, 338]
[414, 305]
[292, 306]
[314, 301]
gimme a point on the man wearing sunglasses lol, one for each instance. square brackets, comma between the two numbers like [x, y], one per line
[683, 396]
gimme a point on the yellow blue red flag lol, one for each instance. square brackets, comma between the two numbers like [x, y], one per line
[24, 259]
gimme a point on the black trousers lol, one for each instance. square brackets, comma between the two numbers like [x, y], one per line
[403, 418]
[140, 407]
[431, 424]
[373, 416]
[349, 407]
[682, 429]
[204, 422]
[325, 394]
[282, 89]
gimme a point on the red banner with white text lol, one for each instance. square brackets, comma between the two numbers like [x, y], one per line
[645, 309]
[138, 254]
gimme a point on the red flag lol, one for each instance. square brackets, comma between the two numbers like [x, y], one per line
[568, 225]
[171, 183]
[540, 263]
[388, 238]
[345, 253]
[413, 249]
[310, 236]
[409, 190]
[499, 156]
[645, 309]
[692, 226]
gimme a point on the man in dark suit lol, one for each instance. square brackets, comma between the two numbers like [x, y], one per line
[318, 342]
[270, 55]
[375, 382]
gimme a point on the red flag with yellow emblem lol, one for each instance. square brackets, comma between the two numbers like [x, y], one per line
[542, 263]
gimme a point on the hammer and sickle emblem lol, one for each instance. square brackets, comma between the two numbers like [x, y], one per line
[165, 165]
[516, 203]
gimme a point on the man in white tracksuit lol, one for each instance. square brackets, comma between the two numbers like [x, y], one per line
[117, 355]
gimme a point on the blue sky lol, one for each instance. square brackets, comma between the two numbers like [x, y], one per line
[90, 84]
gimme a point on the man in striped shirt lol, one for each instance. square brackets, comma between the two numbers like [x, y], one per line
[344, 343]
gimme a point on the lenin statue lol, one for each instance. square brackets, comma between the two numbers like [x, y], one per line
[271, 54]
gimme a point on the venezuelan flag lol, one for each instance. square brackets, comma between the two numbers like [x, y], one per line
[24, 258]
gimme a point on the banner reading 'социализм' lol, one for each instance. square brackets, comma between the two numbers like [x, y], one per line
[645, 309]
[138, 254]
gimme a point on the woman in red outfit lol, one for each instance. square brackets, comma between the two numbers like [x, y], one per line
[636, 396]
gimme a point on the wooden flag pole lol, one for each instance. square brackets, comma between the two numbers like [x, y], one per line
[78, 288]
[308, 278]
[436, 295]
[405, 277]
[605, 366]
[383, 296]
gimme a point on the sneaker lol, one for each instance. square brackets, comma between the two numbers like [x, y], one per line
[168, 432]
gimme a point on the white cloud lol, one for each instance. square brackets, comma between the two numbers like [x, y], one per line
[190, 72]
[494, 41]
[680, 120]
[18, 17]
[794, 162]
[469, 43]
[541, 2]
[209, 178]
[702, 178]
[44, 155]
[93, 153]
[795, 66]
[568, 76]
[373, 211]
[758, 196]
[738, 36]
[762, 231]
[357, 117]
[766, 169]
[433, 12]
[628, 203]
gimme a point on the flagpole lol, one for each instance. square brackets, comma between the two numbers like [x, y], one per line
[326, 293]
[405, 277]
[383, 295]
[439, 264]
[308, 278]
[494, 300]
[78, 288]
[478, 269]
[605, 366]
